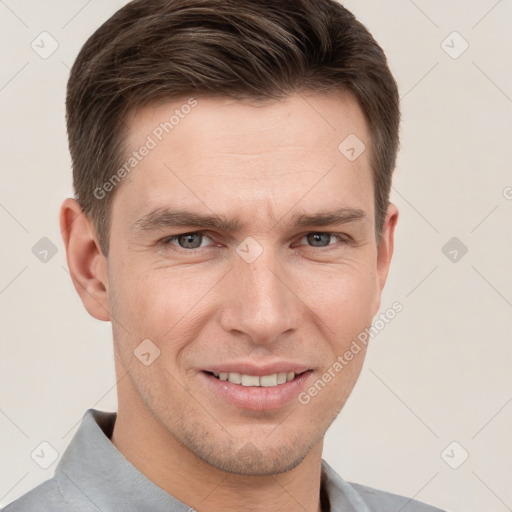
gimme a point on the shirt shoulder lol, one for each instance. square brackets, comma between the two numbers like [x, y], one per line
[46, 497]
[382, 501]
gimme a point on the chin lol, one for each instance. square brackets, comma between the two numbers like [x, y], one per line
[269, 455]
[250, 461]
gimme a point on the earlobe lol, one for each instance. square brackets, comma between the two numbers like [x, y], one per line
[87, 264]
[385, 250]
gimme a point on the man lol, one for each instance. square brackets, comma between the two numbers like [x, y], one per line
[232, 164]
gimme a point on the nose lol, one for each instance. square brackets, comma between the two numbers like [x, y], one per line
[259, 300]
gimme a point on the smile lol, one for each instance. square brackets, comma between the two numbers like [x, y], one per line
[274, 379]
[265, 392]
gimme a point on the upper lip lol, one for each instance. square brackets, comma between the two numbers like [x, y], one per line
[250, 368]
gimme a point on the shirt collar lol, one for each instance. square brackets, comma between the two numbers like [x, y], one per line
[94, 470]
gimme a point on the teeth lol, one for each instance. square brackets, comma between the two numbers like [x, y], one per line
[268, 380]
[235, 378]
[253, 380]
[250, 380]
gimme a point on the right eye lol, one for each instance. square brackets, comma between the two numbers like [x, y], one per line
[186, 240]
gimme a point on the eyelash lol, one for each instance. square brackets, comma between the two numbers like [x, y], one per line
[342, 237]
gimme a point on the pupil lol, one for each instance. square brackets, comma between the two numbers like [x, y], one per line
[187, 241]
[313, 238]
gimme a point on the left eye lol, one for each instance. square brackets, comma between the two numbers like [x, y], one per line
[320, 239]
[188, 240]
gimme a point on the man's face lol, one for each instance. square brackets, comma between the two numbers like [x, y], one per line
[260, 293]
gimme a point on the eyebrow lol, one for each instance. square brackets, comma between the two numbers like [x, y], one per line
[328, 218]
[177, 218]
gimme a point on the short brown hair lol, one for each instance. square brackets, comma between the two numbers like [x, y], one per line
[244, 49]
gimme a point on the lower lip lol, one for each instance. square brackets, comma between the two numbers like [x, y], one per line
[257, 398]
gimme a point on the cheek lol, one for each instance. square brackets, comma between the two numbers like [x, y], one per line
[164, 305]
[342, 299]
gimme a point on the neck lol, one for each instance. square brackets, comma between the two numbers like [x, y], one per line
[166, 462]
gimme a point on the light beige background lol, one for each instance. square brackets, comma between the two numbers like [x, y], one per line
[440, 372]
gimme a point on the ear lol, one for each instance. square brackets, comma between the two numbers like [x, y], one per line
[385, 252]
[87, 265]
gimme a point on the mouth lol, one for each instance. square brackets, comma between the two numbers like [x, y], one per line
[267, 381]
[255, 392]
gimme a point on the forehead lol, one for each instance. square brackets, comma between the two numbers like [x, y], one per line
[251, 126]
[260, 156]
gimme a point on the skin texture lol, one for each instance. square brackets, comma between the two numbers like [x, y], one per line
[301, 300]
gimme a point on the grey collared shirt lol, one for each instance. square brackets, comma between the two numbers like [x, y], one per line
[93, 476]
